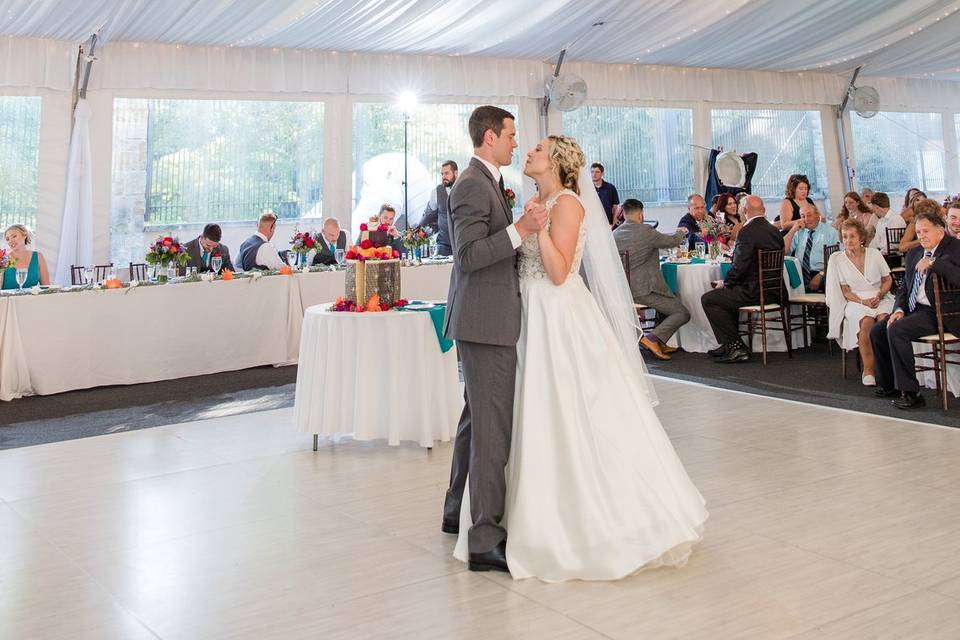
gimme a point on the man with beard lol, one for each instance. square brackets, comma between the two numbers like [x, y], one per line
[436, 215]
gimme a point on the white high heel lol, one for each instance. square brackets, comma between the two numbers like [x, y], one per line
[869, 381]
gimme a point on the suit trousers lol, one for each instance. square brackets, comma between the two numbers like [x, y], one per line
[675, 314]
[722, 308]
[893, 348]
[482, 445]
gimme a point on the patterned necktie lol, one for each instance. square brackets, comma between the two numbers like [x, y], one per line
[805, 262]
[918, 281]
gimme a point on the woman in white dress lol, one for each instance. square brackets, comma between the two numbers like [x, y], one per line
[595, 490]
[858, 294]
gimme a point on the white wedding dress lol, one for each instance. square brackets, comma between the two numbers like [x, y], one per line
[595, 490]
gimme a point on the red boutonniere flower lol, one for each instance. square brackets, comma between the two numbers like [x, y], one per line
[511, 197]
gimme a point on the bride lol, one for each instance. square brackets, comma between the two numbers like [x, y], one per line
[595, 490]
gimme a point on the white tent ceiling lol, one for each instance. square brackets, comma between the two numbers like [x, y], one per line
[889, 37]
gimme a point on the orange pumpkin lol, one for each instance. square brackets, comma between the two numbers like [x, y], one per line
[227, 274]
[373, 304]
[113, 283]
[286, 270]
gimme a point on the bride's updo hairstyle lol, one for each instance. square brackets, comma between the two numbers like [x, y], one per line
[569, 158]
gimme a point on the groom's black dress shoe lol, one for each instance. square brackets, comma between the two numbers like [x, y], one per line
[493, 560]
[719, 351]
[880, 392]
[450, 527]
[735, 356]
[909, 401]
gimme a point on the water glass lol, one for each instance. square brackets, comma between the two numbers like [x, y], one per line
[341, 256]
[21, 278]
[215, 263]
[701, 248]
[88, 275]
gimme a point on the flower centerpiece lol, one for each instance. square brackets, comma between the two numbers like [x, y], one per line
[373, 305]
[373, 268]
[302, 243]
[167, 253]
[7, 261]
[416, 238]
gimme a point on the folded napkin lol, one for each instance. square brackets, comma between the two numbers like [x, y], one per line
[793, 273]
[437, 313]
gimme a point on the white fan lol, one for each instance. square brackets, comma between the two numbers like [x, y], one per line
[567, 92]
[866, 101]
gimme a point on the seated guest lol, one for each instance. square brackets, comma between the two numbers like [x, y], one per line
[742, 285]
[388, 216]
[920, 204]
[257, 251]
[333, 239]
[693, 220]
[18, 240]
[728, 214]
[913, 314]
[805, 240]
[912, 196]
[796, 194]
[204, 247]
[854, 207]
[886, 219]
[437, 213]
[642, 243]
[952, 205]
[858, 294]
[866, 194]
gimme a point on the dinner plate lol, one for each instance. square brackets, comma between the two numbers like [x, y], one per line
[424, 305]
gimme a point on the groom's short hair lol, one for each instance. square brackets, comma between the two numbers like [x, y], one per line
[486, 117]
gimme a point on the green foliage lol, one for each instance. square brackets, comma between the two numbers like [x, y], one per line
[19, 159]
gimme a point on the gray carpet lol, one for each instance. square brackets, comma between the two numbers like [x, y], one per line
[812, 376]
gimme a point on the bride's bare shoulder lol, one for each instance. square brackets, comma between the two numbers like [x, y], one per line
[569, 206]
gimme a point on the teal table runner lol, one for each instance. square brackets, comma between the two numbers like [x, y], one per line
[793, 273]
[437, 312]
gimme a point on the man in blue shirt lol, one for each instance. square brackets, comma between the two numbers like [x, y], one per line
[805, 240]
[607, 193]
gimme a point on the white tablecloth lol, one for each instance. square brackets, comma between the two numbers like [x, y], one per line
[376, 376]
[62, 341]
[693, 280]
[929, 378]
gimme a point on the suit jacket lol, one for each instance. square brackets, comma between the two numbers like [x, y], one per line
[643, 243]
[439, 219]
[323, 254]
[946, 264]
[690, 223]
[758, 234]
[195, 251]
[483, 304]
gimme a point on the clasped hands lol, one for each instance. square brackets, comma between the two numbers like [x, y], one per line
[534, 218]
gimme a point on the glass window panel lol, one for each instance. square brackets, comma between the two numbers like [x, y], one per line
[896, 151]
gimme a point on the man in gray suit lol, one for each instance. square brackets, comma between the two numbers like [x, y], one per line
[436, 214]
[483, 316]
[642, 243]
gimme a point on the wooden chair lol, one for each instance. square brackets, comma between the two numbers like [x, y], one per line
[813, 306]
[643, 311]
[940, 355]
[100, 272]
[138, 271]
[893, 256]
[773, 300]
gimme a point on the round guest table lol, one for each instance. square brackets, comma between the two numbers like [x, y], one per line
[375, 376]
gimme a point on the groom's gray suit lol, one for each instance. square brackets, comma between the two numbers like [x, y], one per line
[483, 316]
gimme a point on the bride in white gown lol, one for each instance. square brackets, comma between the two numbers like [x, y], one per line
[595, 490]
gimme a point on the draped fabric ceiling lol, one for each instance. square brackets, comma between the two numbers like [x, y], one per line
[915, 39]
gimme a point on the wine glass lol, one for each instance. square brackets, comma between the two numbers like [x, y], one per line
[88, 275]
[341, 256]
[21, 278]
[701, 249]
[215, 263]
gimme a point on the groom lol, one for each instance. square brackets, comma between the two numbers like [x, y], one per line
[483, 316]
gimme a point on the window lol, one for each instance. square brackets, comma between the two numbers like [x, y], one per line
[435, 132]
[645, 152]
[786, 142]
[19, 159]
[895, 151]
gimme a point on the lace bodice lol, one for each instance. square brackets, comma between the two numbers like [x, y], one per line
[531, 265]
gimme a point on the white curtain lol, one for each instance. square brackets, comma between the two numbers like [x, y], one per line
[76, 232]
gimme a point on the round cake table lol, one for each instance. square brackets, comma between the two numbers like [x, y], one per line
[375, 376]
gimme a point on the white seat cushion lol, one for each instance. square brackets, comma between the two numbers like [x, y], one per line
[809, 298]
[755, 308]
[947, 337]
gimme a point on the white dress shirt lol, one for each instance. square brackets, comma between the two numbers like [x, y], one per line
[267, 255]
[890, 221]
[515, 238]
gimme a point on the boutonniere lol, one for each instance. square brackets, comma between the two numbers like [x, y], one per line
[511, 197]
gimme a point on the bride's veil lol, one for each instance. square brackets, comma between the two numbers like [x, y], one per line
[608, 283]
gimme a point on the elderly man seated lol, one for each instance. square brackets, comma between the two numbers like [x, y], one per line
[642, 244]
[805, 240]
[332, 238]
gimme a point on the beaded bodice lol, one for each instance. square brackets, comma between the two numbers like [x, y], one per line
[531, 265]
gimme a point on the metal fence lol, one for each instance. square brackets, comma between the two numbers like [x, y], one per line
[19, 159]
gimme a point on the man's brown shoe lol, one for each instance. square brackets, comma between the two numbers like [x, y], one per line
[653, 346]
[667, 348]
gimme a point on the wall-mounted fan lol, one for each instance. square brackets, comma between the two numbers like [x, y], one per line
[565, 92]
[866, 101]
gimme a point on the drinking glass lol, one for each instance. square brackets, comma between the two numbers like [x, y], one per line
[88, 275]
[701, 249]
[215, 263]
[21, 278]
[341, 256]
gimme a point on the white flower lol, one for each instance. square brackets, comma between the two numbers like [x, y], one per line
[35, 290]
[255, 275]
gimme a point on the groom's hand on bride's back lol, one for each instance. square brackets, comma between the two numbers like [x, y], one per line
[533, 219]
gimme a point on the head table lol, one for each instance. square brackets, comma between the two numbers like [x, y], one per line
[55, 342]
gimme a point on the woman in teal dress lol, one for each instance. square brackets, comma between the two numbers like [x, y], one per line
[18, 240]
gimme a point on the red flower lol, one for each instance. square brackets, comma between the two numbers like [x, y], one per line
[384, 306]
[167, 241]
[396, 254]
[383, 227]
[366, 244]
[308, 242]
[173, 249]
[364, 227]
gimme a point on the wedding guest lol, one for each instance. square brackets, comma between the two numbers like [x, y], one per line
[728, 214]
[913, 195]
[693, 219]
[437, 213]
[607, 193]
[885, 219]
[858, 294]
[952, 205]
[741, 286]
[855, 208]
[913, 314]
[796, 193]
[19, 239]
[642, 244]
[919, 204]
[867, 195]
[388, 216]
[805, 240]
[333, 238]
[202, 248]
[258, 251]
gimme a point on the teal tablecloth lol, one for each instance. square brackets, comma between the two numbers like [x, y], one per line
[793, 273]
[437, 312]
[669, 271]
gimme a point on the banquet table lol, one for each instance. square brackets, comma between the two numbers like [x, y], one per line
[929, 379]
[692, 281]
[56, 342]
[375, 376]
